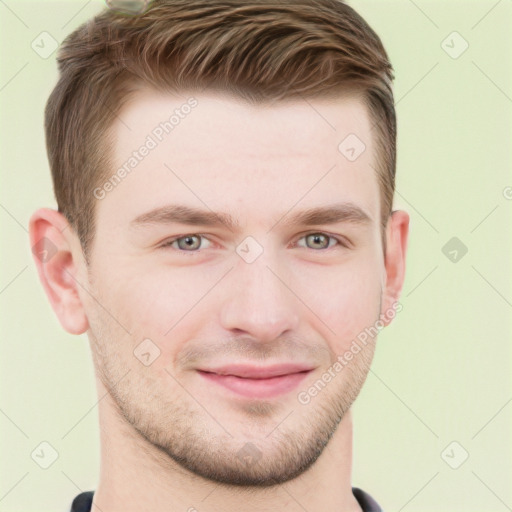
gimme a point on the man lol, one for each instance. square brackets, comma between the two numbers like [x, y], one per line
[224, 172]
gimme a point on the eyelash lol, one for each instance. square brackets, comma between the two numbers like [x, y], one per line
[339, 241]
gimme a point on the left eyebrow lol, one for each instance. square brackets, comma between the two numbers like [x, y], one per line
[330, 214]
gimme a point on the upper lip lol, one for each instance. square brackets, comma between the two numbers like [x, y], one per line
[258, 372]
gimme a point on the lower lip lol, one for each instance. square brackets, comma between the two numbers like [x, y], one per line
[257, 388]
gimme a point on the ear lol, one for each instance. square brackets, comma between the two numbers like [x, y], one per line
[58, 257]
[397, 232]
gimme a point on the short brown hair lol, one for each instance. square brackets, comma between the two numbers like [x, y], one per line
[257, 50]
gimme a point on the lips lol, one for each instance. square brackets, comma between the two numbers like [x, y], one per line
[257, 381]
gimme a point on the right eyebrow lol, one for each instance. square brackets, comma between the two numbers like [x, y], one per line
[184, 215]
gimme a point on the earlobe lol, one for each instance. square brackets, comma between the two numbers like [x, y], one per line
[396, 237]
[55, 251]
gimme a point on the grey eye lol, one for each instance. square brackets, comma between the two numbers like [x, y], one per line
[189, 242]
[318, 240]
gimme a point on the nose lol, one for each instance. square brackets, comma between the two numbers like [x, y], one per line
[257, 301]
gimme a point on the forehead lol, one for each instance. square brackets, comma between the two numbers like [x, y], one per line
[220, 151]
[215, 123]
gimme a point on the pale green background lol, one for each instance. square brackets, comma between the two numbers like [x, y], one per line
[442, 371]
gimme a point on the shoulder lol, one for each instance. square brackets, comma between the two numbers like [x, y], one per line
[366, 502]
[82, 502]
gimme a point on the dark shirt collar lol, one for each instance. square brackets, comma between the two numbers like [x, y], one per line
[83, 502]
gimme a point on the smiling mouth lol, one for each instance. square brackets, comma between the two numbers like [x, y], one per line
[257, 384]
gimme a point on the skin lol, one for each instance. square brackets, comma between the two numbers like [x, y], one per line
[170, 440]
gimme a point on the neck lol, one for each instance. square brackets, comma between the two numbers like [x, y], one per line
[136, 476]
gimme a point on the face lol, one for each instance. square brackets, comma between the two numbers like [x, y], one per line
[219, 296]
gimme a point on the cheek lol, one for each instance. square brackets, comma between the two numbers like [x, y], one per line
[157, 305]
[153, 301]
[345, 301]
